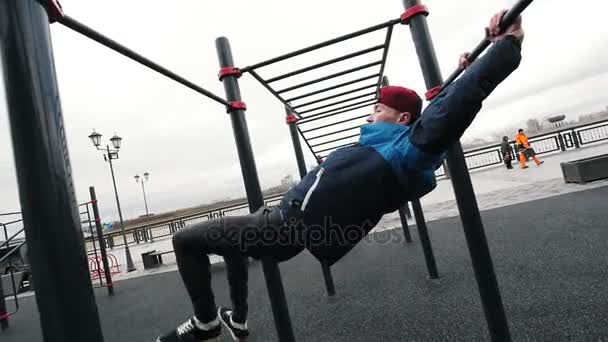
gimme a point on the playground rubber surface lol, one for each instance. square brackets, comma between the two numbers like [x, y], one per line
[550, 256]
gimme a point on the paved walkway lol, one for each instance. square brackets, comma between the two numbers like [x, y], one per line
[495, 187]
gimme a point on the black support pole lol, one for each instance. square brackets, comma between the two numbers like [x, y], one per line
[404, 225]
[272, 273]
[404, 211]
[3, 312]
[297, 147]
[465, 196]
[293, 129]
[425, 240]
[102, 245]
[64, 294]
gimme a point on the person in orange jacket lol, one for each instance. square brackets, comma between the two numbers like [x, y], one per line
[521, 141]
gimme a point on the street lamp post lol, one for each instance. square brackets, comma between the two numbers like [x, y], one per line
[143, 188]
[109, 156]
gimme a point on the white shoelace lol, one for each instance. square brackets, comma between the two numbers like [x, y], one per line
[185, 328]
[241, 326]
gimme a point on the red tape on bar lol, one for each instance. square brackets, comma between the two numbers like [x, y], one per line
[291, 118]
[237, 105]
[230, 71]
[54, 11]
[5, 316]
[412, 12]
[110, 285]
[98, 220]
[432, 93]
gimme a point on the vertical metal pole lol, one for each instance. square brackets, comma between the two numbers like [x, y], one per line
[295, 139]
[404, 210]
[272, 273]
[560, 141]
[425, 240]
[329, 279]
[130, 265]
[297, 147]
[3, 311]
[143, 189]
[102, 245]
[94, 245]
[64, 294]
[406, 229]
[575, 139]
[465, 196]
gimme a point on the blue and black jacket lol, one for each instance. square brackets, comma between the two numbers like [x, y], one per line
[342, 199]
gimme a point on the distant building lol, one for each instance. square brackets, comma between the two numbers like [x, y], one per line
[533, 125]
[594, 116]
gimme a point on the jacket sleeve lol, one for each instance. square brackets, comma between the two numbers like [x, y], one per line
[444, 121]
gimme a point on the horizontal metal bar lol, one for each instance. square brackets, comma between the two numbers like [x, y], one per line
[331, 141]
[336, 147]
[10, 214]
[329, 77]
[334, 96]
[340, 111]
[507, 20]
[5, 242]
[273, 92]
[336, 132]
[12, 222]
[7, 255]
[333, 87]
[340, 108]
[335, 123]
[339, 102]
[387, 43]
[322, 45]
[306, 141]
[326, 63]
[98, 37]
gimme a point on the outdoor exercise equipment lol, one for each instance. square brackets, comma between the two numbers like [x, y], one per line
[44, 173]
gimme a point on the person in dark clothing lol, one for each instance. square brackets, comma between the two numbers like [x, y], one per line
[507, 152]
[340, 201]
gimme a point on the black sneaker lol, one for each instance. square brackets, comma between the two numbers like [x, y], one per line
[189, 332]
[239, 331]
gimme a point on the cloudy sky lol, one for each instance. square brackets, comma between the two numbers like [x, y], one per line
[185, 140]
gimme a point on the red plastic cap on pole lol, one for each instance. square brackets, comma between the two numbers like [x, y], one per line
[237, 105]
[412, 12]
[291, 118]
[54, 11]
[229, 71]
[432, 93]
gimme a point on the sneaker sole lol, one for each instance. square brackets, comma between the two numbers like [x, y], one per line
[234, 338]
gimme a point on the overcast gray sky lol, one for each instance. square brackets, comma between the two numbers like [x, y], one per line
[185, 140]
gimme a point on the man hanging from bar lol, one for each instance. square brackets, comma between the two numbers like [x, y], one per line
[340, 201]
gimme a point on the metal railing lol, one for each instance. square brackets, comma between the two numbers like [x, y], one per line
[148, 232]
[559, 140]
[13, 248]
[16, 241]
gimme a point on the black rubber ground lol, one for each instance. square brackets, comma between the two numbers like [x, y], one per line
[551, 258]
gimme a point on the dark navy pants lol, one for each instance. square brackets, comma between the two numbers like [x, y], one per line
[234, 238]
